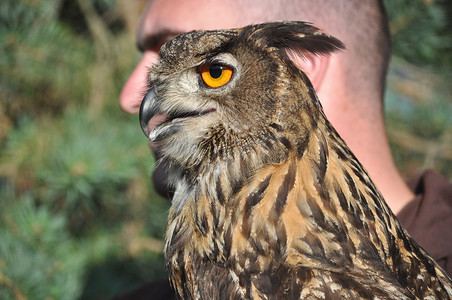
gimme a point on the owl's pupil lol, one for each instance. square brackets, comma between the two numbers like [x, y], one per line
[215, 71]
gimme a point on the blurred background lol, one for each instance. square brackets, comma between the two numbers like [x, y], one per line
[79, 218]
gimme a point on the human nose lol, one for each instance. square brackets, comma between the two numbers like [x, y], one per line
[135, 86]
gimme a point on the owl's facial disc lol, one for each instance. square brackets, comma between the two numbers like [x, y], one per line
[150, 110]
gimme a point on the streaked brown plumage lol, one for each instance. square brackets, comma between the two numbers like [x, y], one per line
[269, 201]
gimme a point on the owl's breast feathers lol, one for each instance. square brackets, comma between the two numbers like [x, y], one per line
[313, 225]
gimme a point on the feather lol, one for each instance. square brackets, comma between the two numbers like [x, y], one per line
[269, 201]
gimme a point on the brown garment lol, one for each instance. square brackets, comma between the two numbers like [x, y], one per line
[428, 218]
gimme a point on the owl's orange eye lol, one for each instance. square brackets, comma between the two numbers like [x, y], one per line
[215, 75]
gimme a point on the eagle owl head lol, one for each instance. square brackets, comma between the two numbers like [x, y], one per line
[233, 98]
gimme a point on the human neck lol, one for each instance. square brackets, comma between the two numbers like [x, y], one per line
[371, 147]
[366, 137]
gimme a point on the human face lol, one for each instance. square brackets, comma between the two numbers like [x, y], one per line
[164, 19]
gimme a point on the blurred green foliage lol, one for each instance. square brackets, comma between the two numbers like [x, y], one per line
[419, 95]
[37, 71]
[422, 32]
[78, 216]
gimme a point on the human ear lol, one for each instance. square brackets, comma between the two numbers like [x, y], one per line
[315, 66]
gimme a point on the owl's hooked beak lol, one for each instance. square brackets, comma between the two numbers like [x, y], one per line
[157, 124]
[148, 109]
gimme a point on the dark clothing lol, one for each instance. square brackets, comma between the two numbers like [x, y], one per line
[155, 290]
[160, 180]
[428, 219]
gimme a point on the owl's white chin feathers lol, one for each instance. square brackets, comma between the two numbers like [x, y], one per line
[173, 124]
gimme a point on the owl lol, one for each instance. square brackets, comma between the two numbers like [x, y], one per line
[269, 201]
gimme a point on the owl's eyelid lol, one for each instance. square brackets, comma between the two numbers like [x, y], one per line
[219, 59]
[215, 62]
[202, 67]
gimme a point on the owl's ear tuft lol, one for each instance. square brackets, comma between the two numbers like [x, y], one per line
[299, 37]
